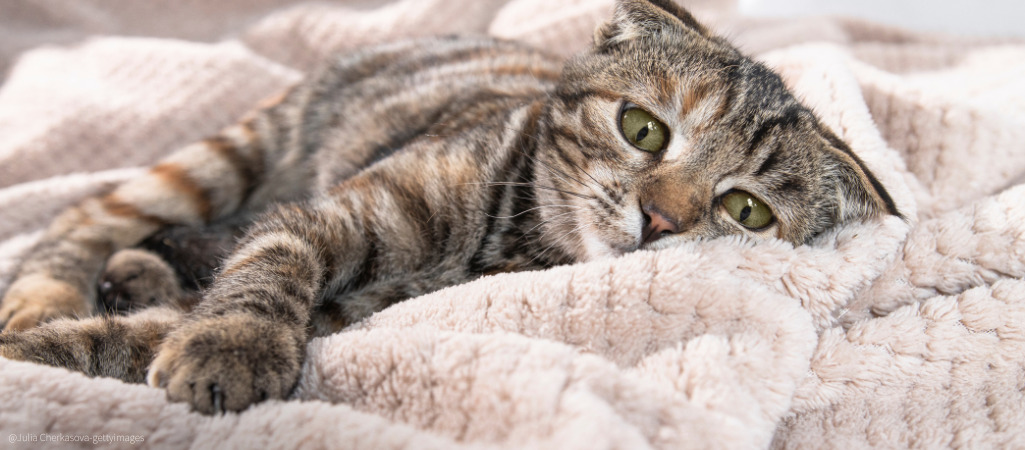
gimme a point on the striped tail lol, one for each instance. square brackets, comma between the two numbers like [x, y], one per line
[244, 168]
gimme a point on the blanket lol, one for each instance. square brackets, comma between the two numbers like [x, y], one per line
[892, 333]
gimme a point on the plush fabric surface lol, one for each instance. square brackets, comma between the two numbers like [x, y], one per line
[887, 334]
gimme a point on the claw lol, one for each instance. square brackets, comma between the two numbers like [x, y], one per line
[218, 398]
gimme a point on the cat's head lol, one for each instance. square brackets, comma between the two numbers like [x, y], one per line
[664, 132]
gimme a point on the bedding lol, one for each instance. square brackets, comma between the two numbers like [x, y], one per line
[894, 333]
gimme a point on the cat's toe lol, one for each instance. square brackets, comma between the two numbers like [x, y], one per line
[226, 364]
[135, 279]
[23, 346]
[25, 317]
[8, 347]
[35, 299]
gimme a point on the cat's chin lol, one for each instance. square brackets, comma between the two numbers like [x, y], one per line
[660, 244]
[595, 248]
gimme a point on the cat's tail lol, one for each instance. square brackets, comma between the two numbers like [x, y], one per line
[244, 167]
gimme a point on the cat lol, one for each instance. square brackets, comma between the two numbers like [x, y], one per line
[404, 168]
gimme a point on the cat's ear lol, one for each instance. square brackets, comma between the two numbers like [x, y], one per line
[858, 193]
[637, 18]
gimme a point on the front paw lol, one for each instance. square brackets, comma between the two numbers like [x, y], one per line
[228, 363]
[35, 299]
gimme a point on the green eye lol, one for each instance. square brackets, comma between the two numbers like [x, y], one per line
[747, 210]
[643, 130]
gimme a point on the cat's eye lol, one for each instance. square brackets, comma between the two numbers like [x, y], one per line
[747, 210]
[643, 130]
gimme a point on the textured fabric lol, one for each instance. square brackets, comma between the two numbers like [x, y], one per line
[889, 334]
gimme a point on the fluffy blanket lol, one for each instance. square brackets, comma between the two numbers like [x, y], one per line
[886, 334]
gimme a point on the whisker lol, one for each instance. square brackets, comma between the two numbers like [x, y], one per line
[559, 173]
[548, 167]
[550, 188]
[549, 220]
[538, 186]
[583, 196]
[581, 169]
[532, 209]
[557, 240]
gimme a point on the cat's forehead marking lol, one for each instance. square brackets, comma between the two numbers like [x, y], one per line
[694, 95]
[700, 106]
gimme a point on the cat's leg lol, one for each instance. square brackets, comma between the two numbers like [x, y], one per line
[122, 346]
[168, 268]
[200, 183]
[135, 279]
[245, 341]
[110, 346]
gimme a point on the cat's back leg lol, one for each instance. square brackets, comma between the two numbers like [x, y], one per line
[171, 267]
[145, 292]
[120, 347]
[135, 279]
[243, 168]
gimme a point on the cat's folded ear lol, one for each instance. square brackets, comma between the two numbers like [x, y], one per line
[859, 195]
[646, 18]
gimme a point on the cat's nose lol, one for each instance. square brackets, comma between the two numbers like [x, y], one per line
[656, 225]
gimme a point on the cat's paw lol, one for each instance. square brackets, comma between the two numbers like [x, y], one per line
[34, 299]
[227, 363]
[135, 279]
[44, 344]
[13, 346]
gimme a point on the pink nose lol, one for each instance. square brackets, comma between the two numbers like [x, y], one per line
[656, 224]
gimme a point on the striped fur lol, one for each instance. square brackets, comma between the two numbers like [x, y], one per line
[413, 166]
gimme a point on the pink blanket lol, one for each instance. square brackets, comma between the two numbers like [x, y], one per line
[885, 334]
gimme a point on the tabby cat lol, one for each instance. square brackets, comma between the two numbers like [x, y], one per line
[408, 167]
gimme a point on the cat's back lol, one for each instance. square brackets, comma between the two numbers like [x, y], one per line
[362, 107]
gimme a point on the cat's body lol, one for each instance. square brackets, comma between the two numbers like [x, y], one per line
[409, 167]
